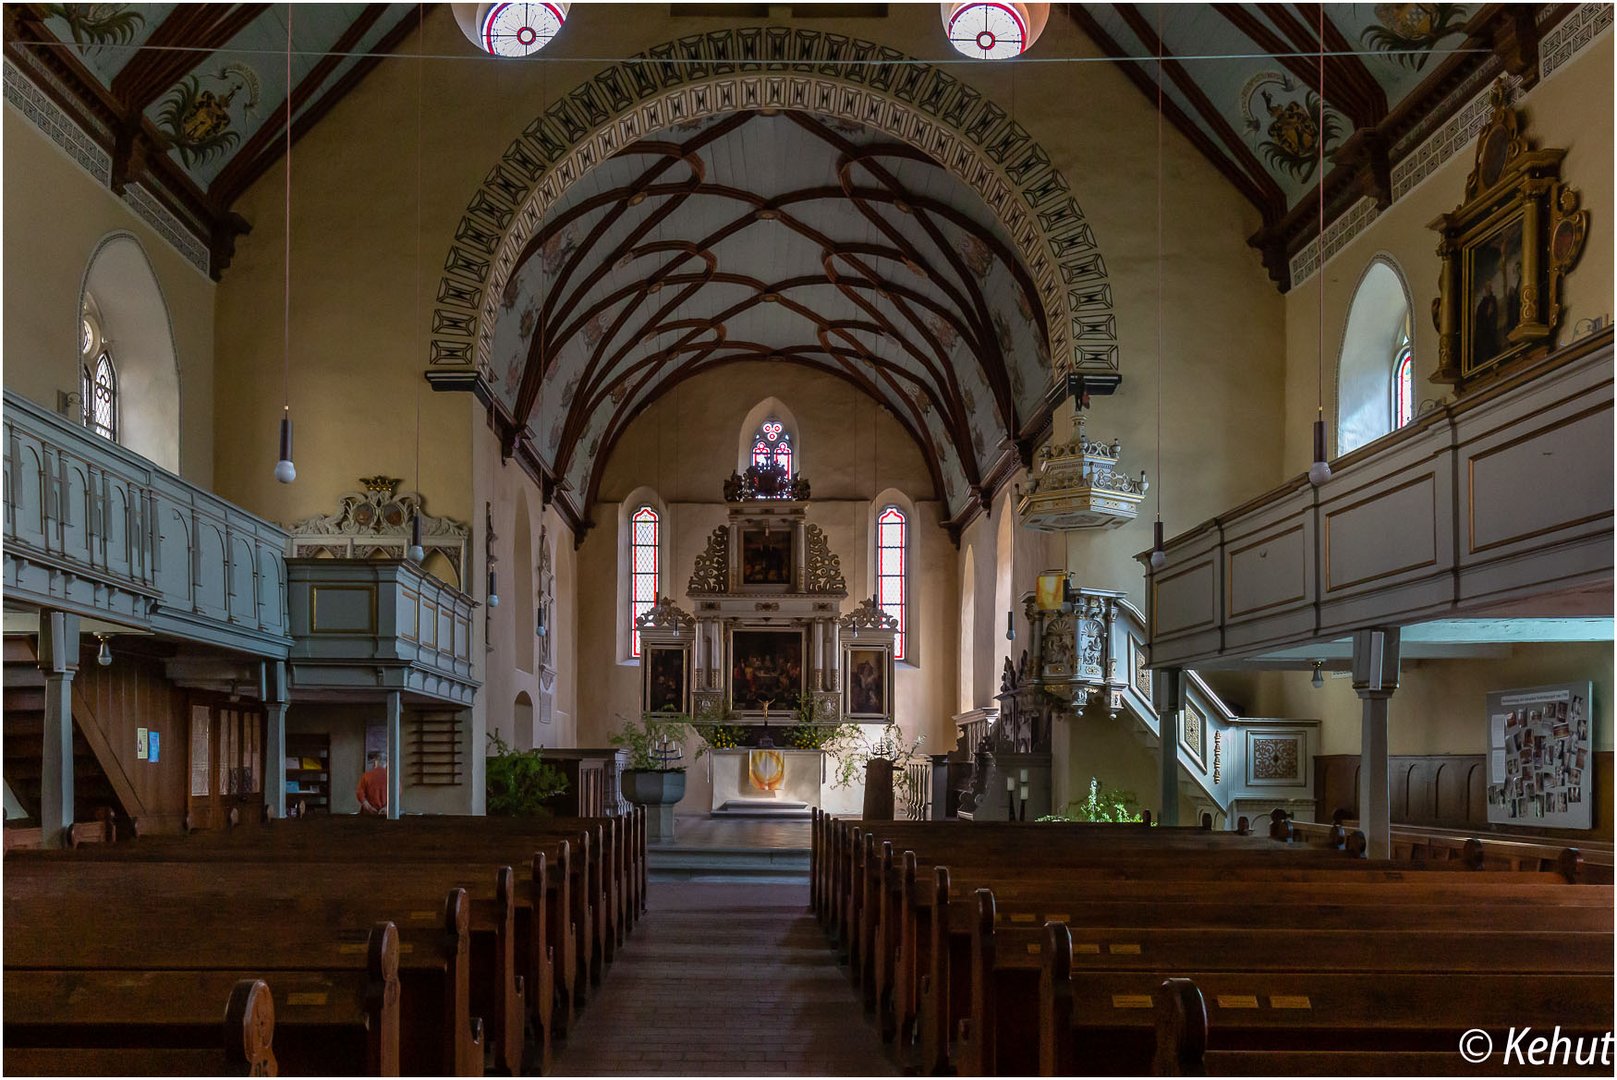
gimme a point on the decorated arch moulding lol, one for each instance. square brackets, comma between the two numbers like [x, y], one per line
[777, 68]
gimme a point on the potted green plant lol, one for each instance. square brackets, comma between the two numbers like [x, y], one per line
[1103, 804]
[655, 777]
[519, 783]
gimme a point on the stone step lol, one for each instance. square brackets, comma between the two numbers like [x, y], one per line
[671, 862]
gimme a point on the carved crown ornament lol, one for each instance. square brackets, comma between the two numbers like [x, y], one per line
[1076, 485]
[667, 616]
[376, 522]
[868, 616]
[1505, 251]
[765, 481]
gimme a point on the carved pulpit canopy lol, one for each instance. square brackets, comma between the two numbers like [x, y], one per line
[1505, 251]
[375, 524]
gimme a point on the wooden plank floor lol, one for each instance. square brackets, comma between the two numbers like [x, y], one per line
[725, 980]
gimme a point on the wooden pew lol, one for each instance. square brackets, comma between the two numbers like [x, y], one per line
[337, 1011]
[449, 969]
[1182, 1050]
[158, 1023]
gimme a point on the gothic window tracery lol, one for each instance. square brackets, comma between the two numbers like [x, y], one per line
[98, 382]
[772, 444]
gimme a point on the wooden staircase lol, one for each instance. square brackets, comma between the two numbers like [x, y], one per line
[93, 794]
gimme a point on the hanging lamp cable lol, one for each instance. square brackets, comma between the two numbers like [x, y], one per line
[1159, 556]
[417, 551]
[1320, 470]
[285, 470]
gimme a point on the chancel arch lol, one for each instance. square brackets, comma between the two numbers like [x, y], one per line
[1375, 341]
[121, 290]
[973, 280]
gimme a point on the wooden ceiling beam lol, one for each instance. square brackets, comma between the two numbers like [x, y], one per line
[1134, 71]
[185, 39]
[1211, 116]
[1344, 67]
[245, 164]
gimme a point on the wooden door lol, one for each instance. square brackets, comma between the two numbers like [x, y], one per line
[226, 745]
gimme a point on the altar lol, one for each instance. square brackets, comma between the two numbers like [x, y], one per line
[760, 669]
[804, 780]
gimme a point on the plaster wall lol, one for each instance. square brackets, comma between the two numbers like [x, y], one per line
[56, 215]
[1572, 109]
[1438, 708]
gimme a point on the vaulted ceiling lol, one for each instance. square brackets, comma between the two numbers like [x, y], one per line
[787, 237]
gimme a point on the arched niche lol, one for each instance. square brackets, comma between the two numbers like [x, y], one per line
[136, 327]
[1376, 324]
[522, 722]
[768, 407]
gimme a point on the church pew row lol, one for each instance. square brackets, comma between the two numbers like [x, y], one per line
[338, 1007]
[1161, 877]
[78, 1023]
[940, 980]
[190, 928]
[614, 876]
[1183, 1041]
[552, 915]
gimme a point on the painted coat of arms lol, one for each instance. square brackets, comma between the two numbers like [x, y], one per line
[1283, 121]
[1408, 33]
[198, 120]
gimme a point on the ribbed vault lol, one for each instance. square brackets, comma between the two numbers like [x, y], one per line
[785, 236]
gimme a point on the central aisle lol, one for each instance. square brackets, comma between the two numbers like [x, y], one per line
[725, 979]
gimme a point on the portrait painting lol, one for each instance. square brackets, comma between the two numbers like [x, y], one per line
[666, 681]
[766, 669]
[766, 556]
[1495, 294]
[867, 682]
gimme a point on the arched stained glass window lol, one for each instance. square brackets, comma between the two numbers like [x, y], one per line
[1403, 386]
[98, 387]
[772, 443]
[643, 569]
[892, 571]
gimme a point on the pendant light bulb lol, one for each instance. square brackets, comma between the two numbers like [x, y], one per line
[493, 591]
[416, 552]
[1159, 555]
[1320, 471]
[285, 471]
[103, 656]
[1318, 680]
[1010, 626]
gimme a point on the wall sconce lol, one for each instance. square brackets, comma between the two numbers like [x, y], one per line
[103, 655]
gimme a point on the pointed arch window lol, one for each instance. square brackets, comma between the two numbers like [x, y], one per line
[644, 525]
[892, 571]
[98, 388]
[1403, 385]
[772, 445]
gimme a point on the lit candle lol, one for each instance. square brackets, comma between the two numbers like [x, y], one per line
[1024, 793]
[1010, 783]
[1023, 777]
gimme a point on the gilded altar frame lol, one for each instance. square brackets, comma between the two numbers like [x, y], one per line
[1504, 251]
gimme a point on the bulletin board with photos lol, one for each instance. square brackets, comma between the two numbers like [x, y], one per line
[1541, 767]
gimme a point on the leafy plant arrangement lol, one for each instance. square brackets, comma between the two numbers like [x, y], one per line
[1103, 804]
[715, 725]
[851, 753]
[810, 733]
[655, 742]
[519, 781]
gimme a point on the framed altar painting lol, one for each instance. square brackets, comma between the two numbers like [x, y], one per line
[767, 672]
[667, 679]
[766, 556]
[868, 683]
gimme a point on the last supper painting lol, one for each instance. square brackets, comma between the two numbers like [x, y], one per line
[766, 669]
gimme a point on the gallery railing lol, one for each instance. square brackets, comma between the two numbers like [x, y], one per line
[95, 529]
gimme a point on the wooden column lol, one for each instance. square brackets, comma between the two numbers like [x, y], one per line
[275, 706]
[395, 752]
[59, 660]
[1375, 678]
[1166, 692]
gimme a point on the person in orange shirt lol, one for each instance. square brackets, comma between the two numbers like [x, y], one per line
[372, 789]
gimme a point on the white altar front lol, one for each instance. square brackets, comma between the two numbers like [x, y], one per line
[807, 782]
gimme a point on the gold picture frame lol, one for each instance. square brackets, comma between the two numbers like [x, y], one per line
[1504, 251]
